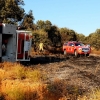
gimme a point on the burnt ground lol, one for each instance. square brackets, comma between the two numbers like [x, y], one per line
[82, 71]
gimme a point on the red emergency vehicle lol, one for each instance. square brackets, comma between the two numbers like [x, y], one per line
[15, 44]
[76, 48]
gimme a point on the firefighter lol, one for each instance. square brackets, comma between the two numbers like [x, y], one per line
[41, 46]
[3, 49]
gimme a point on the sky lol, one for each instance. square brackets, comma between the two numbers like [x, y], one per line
[82, 16]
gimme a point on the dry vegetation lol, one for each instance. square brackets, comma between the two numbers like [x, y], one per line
[19, 82]
[94, 51]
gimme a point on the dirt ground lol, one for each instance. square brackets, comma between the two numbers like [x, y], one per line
[82, 71]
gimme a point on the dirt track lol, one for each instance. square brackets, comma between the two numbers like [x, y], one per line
[82, 71]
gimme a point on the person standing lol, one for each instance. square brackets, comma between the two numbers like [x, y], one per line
[41, 46]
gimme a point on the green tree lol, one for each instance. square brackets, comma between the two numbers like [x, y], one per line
[67, 34]
[54, 35]
[72, 35]
[28, 21]
[40, 24]
[80, 37]
[48, 25]
[11, 11]
[94, 39]
[52, 32]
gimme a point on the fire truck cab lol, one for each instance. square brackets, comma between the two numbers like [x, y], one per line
[15, 44]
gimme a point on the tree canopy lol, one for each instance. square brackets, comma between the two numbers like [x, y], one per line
[11, 11]
[27, 21]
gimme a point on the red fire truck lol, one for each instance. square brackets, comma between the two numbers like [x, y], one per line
[15, 44]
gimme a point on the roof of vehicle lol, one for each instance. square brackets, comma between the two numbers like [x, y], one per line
[75, 41]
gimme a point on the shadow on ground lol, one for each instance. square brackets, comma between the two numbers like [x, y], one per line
[44, 60]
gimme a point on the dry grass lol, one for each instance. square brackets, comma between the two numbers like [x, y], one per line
[93, 95]
[18, 82]
[22, 90]
[21, 83]
[94, 51]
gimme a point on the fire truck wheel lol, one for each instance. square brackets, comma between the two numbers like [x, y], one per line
[75, 53]
[87, 55]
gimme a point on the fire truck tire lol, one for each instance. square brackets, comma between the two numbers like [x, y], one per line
[75, 53]
[87, 55]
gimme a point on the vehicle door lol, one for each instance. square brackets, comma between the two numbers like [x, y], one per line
[68, 48]
[71, 48]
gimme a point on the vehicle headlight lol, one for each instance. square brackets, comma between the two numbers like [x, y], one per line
[79, 49]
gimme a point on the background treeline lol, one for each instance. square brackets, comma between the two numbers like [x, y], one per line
[12, 11]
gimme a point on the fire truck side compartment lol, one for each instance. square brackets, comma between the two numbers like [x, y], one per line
[9, 33]
[17, 43]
